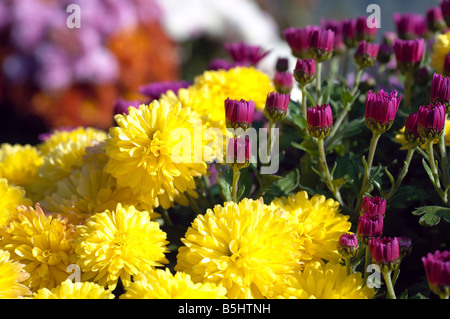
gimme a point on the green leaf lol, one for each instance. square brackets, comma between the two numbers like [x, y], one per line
[428, 170]
[284, 186]
[224, 181]
[309, 146]
[347, 97]
[432, 215]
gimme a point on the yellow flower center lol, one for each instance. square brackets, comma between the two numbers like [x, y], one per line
[157, 145]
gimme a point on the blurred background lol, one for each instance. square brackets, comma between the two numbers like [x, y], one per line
[53, 76]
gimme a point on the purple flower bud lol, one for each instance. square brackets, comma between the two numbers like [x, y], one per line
[445, 8]
[298, 40]
[408, 53]
[305, 71]
[336, 27]
[381, 109]
[409, 26]
[349, 33]
[239, 150]
[283, 82]
[348, 245]
[242, 52]
[366, 54]
[282, 65]
[222, 64]
[431, 120]
[437, 270]
[363, 31]
[374, 205]
[385, 53]
[369, 225]
[405, 244]
[440, 89]
[239, 113]
[412, 136]
[385, 251]
[321, 44]
[276, 106]
[319, 120]
[156, 89]
[435, 20]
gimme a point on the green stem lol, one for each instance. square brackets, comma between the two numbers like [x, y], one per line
[408, 88]
[390, 287]
[329, 178]
[373, 147]
[357, 81]
[234, 187]
[348, 265]
[304, 106]
[434, 171]
[443, 152]
[272, 125]
[166, 217]
[403, 172]
[366, 261]
[318, 83]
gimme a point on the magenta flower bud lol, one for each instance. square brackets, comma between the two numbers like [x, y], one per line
[348, 245]
[239, 150]
[319, 120]
[431, 121]
[239, 113]
[363, 31]
[276, 106]
[411, 134]
[283, 82]
[385, 252]
[336, 27]
[366, 54]
[121, 106]
[374, 205]
[435, 20]
[305, 71]
[409, 26]
[242, 52]
[447, 65]
[349, 33]
[437, 270]
[369, 225]
[445, 9]
[298, 40]
[408, 53]
[405, 244]
[156, 89]
[381, 109]
[282, 65]
[321, 44]
[440, 89]
[385, 53]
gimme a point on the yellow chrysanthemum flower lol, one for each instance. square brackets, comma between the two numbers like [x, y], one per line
[157, 150]
[160, 284]
[63, 151]
[89, 190]
[329, 281]
[19, 163]
[77, 290]
[245, 247]
[42, 243]
[400, 137]
[440, 49]
[317, 223]
[119, 243]
[11, 197]
[209, 91]
[11, 276]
